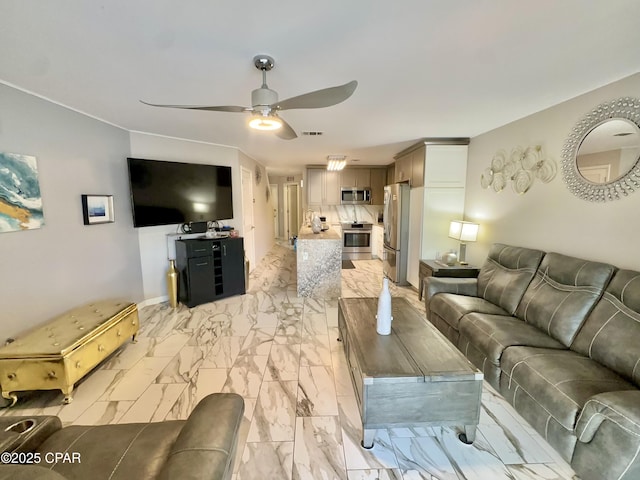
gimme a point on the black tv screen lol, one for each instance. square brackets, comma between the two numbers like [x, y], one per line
[165, 193]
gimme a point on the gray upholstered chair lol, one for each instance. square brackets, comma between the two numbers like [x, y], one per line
[201, 447]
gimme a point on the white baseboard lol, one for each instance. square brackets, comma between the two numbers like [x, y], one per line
[153, 301]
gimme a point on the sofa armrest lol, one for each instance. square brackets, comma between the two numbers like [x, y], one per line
[608, 432]
[461, 286]
[205, 447]
[621, 408]
[26, 433]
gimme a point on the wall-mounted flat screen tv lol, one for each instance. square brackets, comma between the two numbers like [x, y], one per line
[166, 193]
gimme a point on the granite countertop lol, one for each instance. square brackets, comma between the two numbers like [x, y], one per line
[306, 234]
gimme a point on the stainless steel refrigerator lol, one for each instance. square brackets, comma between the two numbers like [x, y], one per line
[396, 232]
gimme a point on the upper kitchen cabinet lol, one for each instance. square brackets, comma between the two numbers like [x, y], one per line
[433, 162]
[378, 181]
[323, 187]
[403, 168]
[355, 177]
[391, 174]
[445, 166]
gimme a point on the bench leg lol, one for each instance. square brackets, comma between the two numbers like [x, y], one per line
[12, 397]
[68, 398]
[134, 339]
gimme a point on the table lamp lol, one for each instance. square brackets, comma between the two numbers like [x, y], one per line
[464, 232]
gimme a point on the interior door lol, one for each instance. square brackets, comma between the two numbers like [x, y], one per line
[248, 225]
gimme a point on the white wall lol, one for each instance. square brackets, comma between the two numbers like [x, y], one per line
[64, 264]
[153, 240]
[549, 217]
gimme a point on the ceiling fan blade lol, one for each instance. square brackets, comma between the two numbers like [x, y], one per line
[223, 108]
[285, 132]
[318, 99]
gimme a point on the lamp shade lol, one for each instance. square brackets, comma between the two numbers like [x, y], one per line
[463, 231]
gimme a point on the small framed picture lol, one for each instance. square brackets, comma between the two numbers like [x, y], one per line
[97, 209]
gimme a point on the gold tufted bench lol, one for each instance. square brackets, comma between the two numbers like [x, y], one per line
[57, 354]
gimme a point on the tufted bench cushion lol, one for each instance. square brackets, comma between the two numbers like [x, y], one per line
[56, 354]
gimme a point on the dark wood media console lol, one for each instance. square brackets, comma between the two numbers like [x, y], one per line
[210, 269]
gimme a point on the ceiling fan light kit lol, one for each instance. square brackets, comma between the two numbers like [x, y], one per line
[260, 121]
[265, 104]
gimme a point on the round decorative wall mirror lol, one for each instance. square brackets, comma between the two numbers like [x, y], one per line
[601, 157]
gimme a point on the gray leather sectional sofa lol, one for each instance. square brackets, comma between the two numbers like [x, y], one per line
[559, 338]
[201, 447]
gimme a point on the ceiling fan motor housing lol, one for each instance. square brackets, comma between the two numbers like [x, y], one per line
[262, 99]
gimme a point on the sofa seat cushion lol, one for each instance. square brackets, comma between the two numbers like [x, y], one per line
[492, 334]
[452, 307]
[560, 381]
[126, 451]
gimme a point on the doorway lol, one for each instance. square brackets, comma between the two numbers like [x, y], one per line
[248, 228]
[275, 204]
[292, 219]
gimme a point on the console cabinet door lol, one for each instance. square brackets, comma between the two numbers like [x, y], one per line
[209, 269]
[200, 280]
[233, 266]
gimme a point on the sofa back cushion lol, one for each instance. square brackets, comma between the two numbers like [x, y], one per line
[611, 333]
[562, 294]
[506, 273]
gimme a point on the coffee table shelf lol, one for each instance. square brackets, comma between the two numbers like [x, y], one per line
[413, 376]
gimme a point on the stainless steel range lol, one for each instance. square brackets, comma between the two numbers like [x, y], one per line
[356, 241]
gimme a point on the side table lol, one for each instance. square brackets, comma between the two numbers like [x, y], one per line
[432, 268]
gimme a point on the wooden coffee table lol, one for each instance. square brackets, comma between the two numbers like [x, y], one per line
[413, 376]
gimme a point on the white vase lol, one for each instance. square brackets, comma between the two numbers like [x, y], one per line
[384, 317]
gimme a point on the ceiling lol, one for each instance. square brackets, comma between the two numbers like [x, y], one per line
[425, 68]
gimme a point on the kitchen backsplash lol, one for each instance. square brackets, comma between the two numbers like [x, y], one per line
[348, 213]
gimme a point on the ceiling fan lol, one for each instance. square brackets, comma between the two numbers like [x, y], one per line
[265, 105]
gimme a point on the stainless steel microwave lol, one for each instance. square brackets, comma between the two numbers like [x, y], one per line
[355, 196]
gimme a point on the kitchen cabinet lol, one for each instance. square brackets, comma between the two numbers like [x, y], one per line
[355, 177]
[323, 187]
[209, 269]
[433, 163]
[417, 166]
[445, 166]
[403, 168]
[438, 180]
[391, 174]
[410, 167]
[378, 181]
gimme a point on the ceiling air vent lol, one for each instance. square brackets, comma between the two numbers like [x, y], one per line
[312, 134]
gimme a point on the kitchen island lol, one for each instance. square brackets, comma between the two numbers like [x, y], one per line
[319, 263]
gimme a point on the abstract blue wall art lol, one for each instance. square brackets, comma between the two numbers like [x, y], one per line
[20, 200]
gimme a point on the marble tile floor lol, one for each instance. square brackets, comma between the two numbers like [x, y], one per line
[280, 352]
